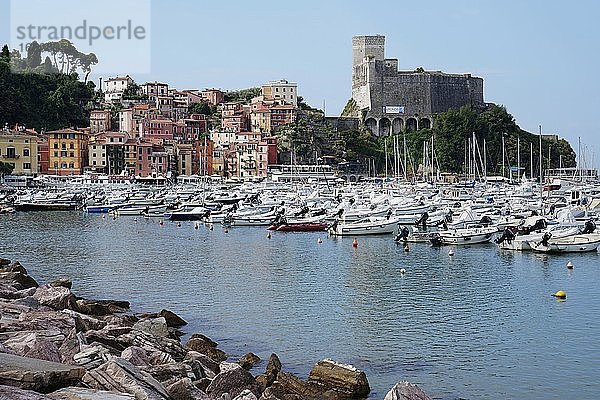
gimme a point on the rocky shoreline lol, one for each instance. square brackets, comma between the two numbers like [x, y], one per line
[55, 345]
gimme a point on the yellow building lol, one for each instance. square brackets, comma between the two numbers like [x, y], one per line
[20, 150]
[68, 151]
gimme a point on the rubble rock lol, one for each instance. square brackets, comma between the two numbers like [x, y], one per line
[14, 393]
[44, 350]
[341, 378]
[234, 382]
[18, 280]
[55, 297]
[206, 348]
[248, 361]
[136, 355]
[173, 320]
[78, 393]
[406, 391]
[101, 307]
[155, 327]
[84, 322]
[63, 282]
[184, 389]
[38, 375]
[122, 376]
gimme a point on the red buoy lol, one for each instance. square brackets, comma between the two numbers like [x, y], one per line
[355, 243]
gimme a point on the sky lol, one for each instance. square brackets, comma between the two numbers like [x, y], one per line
[540, 59]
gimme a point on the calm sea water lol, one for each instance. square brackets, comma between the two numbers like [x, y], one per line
[481, 324]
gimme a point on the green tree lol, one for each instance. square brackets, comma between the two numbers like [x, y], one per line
[34, 55]
[201, 108]
[5, 168]
[5, 54]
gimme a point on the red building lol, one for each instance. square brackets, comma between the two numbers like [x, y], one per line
[43, 156]
[234, 117]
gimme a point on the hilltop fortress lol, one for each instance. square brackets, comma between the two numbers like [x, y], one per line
[389, 100]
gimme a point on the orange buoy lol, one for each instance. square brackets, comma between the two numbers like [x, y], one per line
[355, 243]
[570, 265]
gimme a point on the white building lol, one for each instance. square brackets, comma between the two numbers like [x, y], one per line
[281, 90]
[114, 88]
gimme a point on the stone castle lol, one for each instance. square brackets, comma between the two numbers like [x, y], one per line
[390, 101]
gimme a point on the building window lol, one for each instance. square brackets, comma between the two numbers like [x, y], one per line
[56, 154]
[93, 155]
[71, 164]
[63, 165]
[94, 162]
[55, 145]
[72, 154]
[25, 152]
[55, 164]
[63, 153]
[71, 145]
[26, 165]
[63, 146]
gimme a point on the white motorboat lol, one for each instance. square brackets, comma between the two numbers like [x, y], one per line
[578, 243]
[365, 226]
[464, 236]
[522, 242]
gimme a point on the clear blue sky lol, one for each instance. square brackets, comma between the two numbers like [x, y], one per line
[538, 58]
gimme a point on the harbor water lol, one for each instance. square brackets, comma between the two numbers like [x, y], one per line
[479, 324]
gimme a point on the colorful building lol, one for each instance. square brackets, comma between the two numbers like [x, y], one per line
[19, 149]
[99, 121]
[68, 151]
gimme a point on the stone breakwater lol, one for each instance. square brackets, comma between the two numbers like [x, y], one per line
[56, 345]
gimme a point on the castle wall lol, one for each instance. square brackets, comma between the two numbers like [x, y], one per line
[377, 83]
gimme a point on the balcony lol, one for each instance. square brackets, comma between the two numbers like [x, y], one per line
[11, 156]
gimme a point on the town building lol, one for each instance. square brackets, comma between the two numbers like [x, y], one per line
[155, 89]
[99, 121]
[19, 149]
[392, 100]
[68, 151]
[115, 87]
[234, 117]
[213, 96]
[281, 91]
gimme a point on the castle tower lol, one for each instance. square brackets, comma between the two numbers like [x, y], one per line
[367, 46]
[366, 52]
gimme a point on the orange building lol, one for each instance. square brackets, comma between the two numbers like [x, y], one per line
[68, 150]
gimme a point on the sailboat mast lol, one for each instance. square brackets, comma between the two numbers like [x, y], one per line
[386, 155]
[404, 153]
[541, 175]
[503, 161]
[518, 158]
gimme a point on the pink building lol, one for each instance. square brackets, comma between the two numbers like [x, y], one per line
[213, 96]
[155, 89]
[158, 130]
[234, 117]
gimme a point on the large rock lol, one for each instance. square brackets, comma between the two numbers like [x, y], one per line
[92, 356]
[184, 389]
[101, 307]
[246, 395]
[167, 372]
[173, 320]
[154, 343]
[289, 386]
[210, 366]
[18, 280]
[22, 342]
[121, 376]
[248, 361]
[341, 378]
[136, 355]
[38, 375]
[56, 297]
[14, 393]
[44, 350]
[205, 347]
[406, 391]
[153, 326]
[64, 282]
[233, 382]
[273, 367]
[78, 393]
[84, 322]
